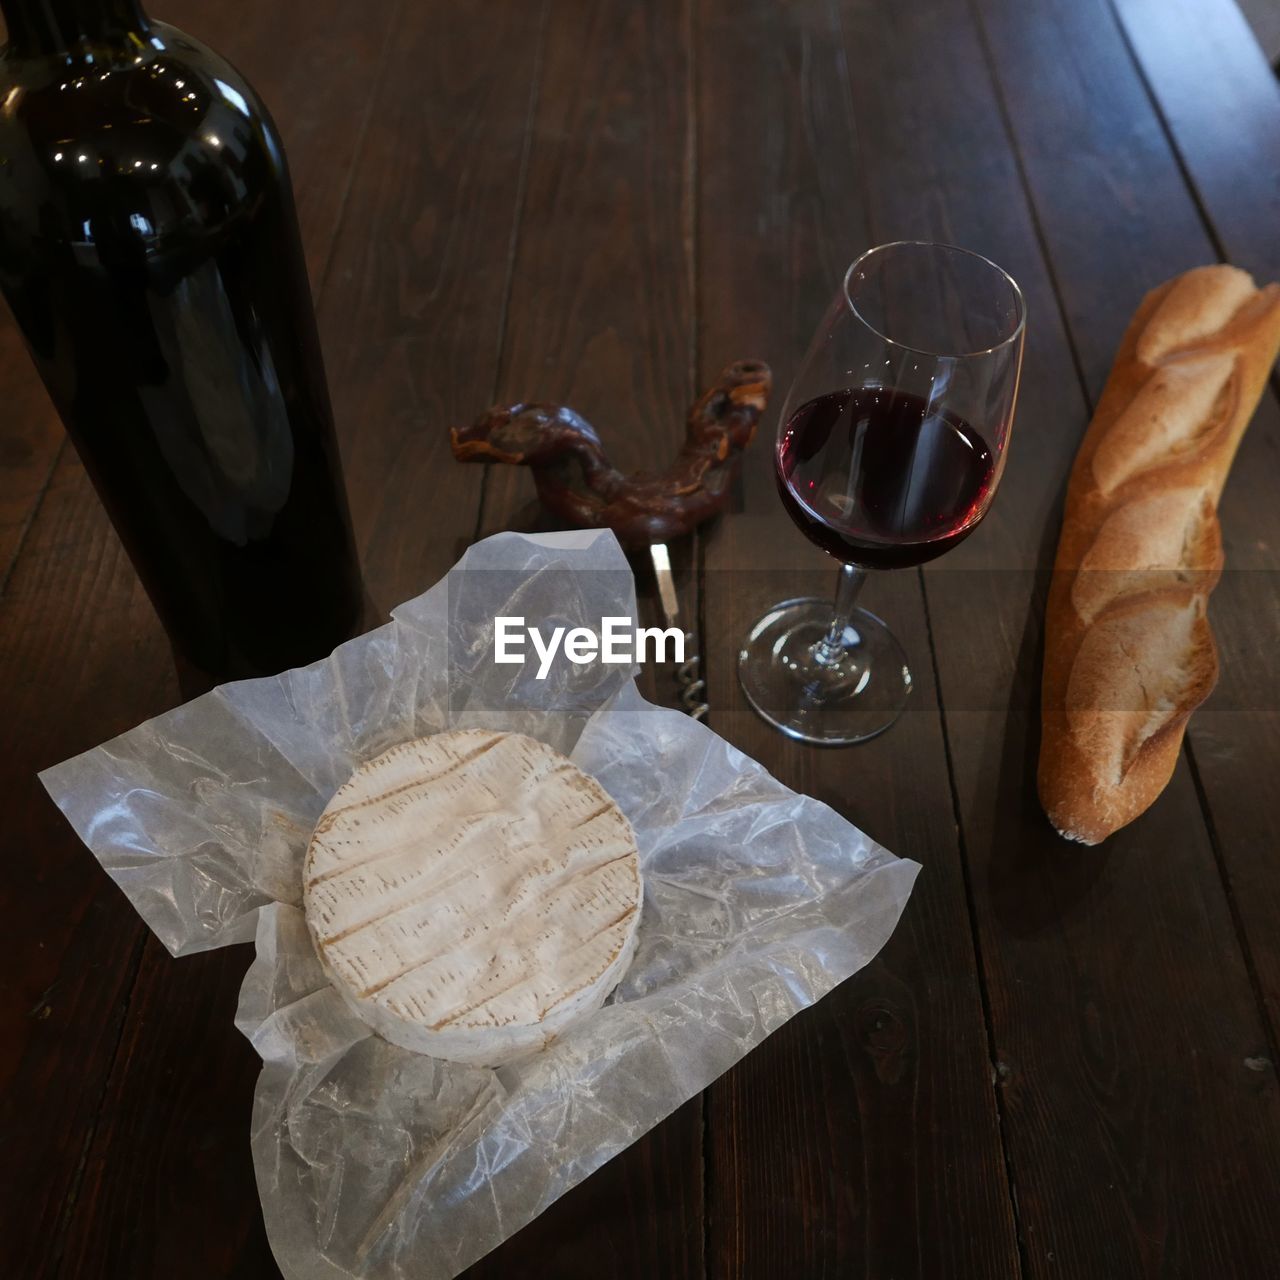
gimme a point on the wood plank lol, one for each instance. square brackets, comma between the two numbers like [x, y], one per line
[84, 659]
[1220, 102]
[81, 658]
[601, 294]
[168, 1186]
[317, 82]
[859, 1135]
[31, 437]
[600, 319]
[414, 307]
[1140, 1140]
[640, 1215]
[1221, 105]
[602, 290]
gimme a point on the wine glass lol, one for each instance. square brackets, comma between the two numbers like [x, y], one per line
[890, 446]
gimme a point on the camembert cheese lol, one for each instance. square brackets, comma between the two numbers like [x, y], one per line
[471, 894]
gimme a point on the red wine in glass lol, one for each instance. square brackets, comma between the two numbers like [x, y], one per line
[878, 477]
[891, 444]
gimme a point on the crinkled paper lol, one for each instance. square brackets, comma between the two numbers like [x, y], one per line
[376, 1162]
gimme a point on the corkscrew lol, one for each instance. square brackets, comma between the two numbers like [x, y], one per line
[693, 687]
[578, 484]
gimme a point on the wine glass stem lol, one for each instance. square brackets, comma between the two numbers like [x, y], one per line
[830, 649]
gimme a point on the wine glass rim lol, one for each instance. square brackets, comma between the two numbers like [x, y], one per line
[1012, 336]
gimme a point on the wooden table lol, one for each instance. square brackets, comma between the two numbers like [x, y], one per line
[1064, 1063]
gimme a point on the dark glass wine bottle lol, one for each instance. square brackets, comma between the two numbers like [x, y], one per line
[149, 250]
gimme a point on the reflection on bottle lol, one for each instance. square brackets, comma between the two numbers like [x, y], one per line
[233, 458]
[149, 250]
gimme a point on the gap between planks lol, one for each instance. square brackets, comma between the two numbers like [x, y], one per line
[698, 558]
[29, 523]
[513, 244]
[61, 1231]
[984, 995]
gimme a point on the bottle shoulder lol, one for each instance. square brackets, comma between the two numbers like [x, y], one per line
[169, 78]
[166, 124]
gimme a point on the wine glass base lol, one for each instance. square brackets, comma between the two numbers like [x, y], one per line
[831, 704]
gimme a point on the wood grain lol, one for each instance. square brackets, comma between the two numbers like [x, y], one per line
[168, 1186]
[602, 293]
[317, 83]
[639, 1216]
[81, 659]
[31, 437]
[1219, 101]
[413, 310]
[601, 296]
[859, 1134]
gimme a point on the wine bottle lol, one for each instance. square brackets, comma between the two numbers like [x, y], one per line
[149, 251]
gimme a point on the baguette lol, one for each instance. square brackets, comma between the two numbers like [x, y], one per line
[1129, 653]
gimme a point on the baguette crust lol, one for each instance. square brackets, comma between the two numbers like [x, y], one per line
[1129, 653]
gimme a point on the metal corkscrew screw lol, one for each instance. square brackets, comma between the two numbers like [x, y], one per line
[693, 687]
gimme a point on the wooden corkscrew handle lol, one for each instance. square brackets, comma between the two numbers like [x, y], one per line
[577, 483]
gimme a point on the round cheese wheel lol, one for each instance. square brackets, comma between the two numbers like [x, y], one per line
[471, 894]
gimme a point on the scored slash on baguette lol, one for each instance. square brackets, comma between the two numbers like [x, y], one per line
[1180, 409]
[1129, 653]
[1153, 542]
[1138, 673]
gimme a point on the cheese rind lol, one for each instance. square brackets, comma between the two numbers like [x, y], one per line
[472, 894]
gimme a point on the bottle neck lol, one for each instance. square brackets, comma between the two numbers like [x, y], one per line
[56, 26]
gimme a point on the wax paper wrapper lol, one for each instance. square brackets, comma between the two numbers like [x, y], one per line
[376, 1162]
